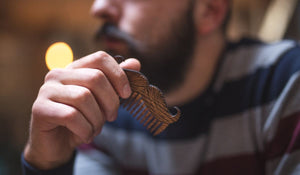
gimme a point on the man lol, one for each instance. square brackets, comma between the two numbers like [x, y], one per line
[239, 102]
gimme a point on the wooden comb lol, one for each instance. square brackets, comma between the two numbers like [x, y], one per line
[147, 103]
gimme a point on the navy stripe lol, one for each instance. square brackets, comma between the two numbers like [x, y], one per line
[244, 42]
[259, 88]
[193, 122]
[253, 90]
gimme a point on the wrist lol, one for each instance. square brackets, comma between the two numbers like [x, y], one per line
[65, 169]
[39, 160]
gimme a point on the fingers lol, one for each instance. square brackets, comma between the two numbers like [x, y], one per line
[131, 63]
[57, 114]
[73, 105]
[107, 64]
[84, 95]
[82, 100]
[93, 80]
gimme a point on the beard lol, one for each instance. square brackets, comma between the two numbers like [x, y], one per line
[164, 64]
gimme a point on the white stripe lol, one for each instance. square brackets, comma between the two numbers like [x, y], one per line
[159, 157]
[90, 162]
[231, 136]
[247, 60]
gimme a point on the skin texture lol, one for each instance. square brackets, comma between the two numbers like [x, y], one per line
[74, 103]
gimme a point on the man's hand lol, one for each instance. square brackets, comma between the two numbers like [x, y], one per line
[73, 105]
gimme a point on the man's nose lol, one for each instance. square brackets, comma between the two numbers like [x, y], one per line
[107, 10]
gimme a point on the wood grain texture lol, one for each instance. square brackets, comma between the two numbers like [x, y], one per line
[147, 104]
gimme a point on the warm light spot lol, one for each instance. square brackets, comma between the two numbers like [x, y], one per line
[58, 55]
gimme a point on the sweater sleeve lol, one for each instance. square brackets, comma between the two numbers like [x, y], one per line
[66, 169]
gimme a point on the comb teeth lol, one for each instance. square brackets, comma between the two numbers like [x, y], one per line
[149, 119]
[162, 127]
[131, 101]
[136, 106]
[145, 117]
[147, 104]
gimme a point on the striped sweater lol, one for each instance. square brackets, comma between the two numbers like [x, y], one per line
[246, 122]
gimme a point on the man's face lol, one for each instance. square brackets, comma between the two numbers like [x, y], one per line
[160, 33]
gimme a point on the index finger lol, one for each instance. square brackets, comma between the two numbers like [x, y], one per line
[108, 65]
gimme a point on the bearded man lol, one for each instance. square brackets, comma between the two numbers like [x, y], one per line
[239, 101]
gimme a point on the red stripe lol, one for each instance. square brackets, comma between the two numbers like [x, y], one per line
[247, 164]
[287, 137]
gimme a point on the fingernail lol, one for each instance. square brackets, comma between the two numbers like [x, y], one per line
[126, 90]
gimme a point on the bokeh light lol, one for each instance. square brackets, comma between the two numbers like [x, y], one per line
[58, 55]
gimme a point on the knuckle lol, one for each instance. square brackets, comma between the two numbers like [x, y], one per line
[44, 92]
[70, 115]
[37, 108]
[83, 95]
[101, 57]
[120, 75]
[101, 53]
[45, 87]
[47, 90]
[96, 77]
[53, 74]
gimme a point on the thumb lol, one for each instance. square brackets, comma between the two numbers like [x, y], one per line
[131, 63]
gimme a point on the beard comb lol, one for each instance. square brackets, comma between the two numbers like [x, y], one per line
[147, 103]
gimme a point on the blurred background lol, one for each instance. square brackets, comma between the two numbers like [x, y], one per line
[28, 27]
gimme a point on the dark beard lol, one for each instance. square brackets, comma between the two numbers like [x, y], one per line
[165, 65]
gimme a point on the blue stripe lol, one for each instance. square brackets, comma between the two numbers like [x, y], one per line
[244, 42]
[253, 90]
[259, 88]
